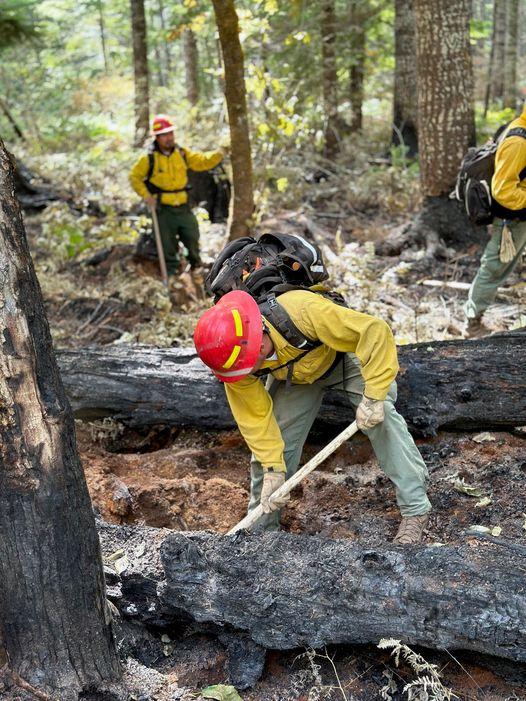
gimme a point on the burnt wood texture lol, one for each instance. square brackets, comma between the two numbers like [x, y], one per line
[54, 621]
[449, 384]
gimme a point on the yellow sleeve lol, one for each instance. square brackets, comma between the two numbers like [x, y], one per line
[346, 330]
[252, 408]
[198, 160]
[138, 174]
[507, 189]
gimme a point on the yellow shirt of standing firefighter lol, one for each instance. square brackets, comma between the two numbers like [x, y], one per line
[510, 161]
[170, 165]
[235, 341]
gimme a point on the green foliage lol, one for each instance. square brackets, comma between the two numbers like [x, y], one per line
[15, 25]
[488, 125]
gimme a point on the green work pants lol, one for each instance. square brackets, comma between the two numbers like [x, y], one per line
[295, 409]
[492, 271]
[178, 224]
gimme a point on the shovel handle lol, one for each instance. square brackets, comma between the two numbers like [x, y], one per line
[300, 475]
[159, 246]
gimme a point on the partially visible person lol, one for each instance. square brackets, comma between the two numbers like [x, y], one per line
[508, 239]
[160, 178]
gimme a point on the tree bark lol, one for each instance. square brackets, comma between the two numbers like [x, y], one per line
[166, 45]
[446, 126]
[499, 49]
[240, 220]
[512, 57]
[329, 78]
[140, 69]
[405, 110]
[285, 590]
[54, 621]
[191, 65]
[102, 32]
[358, 18]
[447, 384]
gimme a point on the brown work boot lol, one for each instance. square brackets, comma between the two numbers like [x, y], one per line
[411, 530]
[476, 329]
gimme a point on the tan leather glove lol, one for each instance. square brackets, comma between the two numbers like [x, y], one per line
[369, 413]
[272, 481]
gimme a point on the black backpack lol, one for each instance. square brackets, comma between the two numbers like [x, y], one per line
[473, 186]
[267, 267]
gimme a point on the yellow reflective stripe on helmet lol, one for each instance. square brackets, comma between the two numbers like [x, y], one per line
[233, 357]
[237, 322]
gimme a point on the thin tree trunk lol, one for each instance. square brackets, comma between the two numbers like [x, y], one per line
[54, 620]
[5, 109]
[240, 220]
[358, 17]
[445, 112]
[499, 51]
[329, 78]
[166, 45]
[140, 69]
[405, 109]
[102, 31]
[191, 64]
[512, 48]
[161, 82]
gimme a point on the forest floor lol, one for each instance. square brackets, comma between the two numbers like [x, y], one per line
[192, 480]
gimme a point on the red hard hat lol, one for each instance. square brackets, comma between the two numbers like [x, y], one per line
[228, 336]
[162, 124]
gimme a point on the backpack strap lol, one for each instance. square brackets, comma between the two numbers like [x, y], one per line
[280, 319]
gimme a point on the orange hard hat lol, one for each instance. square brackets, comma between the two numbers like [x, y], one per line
[228, 336]
[162, 124]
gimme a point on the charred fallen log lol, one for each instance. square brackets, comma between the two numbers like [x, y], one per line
[286, 591]
[448, 384]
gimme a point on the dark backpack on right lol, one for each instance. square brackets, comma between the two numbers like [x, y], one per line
[473, 186]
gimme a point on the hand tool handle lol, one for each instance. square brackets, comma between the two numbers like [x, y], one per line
[300, 475]
[159, 245]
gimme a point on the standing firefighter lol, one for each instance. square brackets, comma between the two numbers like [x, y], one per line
[335, 348]
[160, 178]
[508, 240]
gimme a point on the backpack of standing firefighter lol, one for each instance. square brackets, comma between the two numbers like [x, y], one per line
[473, 186]
[267, 267]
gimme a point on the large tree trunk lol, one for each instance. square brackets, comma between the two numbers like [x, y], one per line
[358, 18]
[240, 220]
[286, 591]
[329, 78]
[140, 70]
[54, 620]
[191, 65]
[448, 384]
[446, 126]
[512, 56]
[405, 109]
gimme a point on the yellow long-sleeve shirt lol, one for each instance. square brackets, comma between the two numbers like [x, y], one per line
[170, 172]
[338, 329]
[510, 159]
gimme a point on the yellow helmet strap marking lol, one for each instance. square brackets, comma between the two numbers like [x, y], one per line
[233, 357]
[237, 322]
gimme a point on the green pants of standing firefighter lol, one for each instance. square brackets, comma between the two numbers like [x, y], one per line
[295, 409]
[178, 224]
[492, 271]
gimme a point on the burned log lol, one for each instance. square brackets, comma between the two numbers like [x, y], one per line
[446, 384]
[288, 591]
[285, 591]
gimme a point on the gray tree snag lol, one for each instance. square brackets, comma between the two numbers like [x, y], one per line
[140, 71]
[240, 220]
[405, 109]
[54, 622]
[358, 34]
[499, 49]
[191, 66]
[329, 78]
[446, 125]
